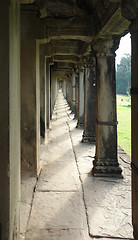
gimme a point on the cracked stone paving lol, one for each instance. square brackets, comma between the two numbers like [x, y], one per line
[65, 202]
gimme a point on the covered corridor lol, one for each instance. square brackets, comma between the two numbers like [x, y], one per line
[71, 44]
[68, 203]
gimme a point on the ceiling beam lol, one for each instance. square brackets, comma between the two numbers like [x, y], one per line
[27, 1]
[66, 58]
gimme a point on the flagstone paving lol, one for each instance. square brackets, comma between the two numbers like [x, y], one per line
[65, 202]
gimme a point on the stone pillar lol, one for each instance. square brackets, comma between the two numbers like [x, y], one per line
[73, 93]
[130, 12]
[106, 161]
[90, 101]
[43, 124]
[30, 92]
[69, 91]
[52, 78]
[45, 54]
[48, 94]
[64, 88]
[134, 124]
[53, 87]
[76, 95]
[10, 120]
[81, 99]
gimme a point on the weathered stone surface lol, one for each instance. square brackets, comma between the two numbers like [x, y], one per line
[58, 210]
[65, 210]
[30, 94]
[82, 151]
[24, 216]
[60, 202]
[9, 119]
[60, 142]
[134, 118]
[90, 101]
[106, 162]
[80, 122]
[55, 234]
[109, 207]
[108, 201]
[59, 176]
[28, 184]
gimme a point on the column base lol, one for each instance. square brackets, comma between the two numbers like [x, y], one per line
[73, 110]
[106, 168]
[88, 137]
[76, 116]
[135, 233]
[80, 125]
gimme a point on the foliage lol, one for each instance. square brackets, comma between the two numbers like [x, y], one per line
[123, 75]
[124, 122]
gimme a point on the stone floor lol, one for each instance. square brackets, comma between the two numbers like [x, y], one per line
[65, 202]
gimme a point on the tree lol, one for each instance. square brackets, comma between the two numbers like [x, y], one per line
[123, 75]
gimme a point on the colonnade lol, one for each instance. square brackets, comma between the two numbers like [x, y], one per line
[97, 107]
[29, 86]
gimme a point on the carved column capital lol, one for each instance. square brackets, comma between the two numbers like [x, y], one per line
[77, 69]
[70, 74]
[134, 26]
[106, 46]
[81, 67]
[90, 61]
[129, 9]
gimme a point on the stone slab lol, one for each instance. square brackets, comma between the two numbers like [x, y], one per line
[65, 210]
[81, 149]
[27, 186]
[58, 209]
[58, 154]
[22, 237]
[108, 203]
[59, 176]
[55, 234]
[24, 216]
[59, 147]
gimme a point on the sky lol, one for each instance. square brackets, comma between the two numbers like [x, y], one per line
[124, 47]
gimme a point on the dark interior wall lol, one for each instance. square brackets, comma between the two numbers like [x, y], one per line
[9, 119]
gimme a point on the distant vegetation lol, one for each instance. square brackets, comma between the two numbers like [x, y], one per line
[123, 75]
[124, 122]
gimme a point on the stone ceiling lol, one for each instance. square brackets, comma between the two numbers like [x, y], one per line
[71, 26]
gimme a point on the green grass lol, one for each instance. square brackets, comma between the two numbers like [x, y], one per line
[124, 122]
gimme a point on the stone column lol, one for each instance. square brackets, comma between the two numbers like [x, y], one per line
[76, 95]
[81, 98]
[130, 12]
[48, 75]
[106, 161]
[10, 120]
[90, 101]
[64, 88]
[69, 90]
[53, 87]
[134, 124]
[48, 92]
[52, 79]
[73, 93]
[30, 92]
[43, 124]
